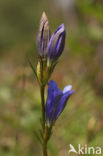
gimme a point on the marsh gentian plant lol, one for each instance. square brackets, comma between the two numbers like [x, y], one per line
[50, 49]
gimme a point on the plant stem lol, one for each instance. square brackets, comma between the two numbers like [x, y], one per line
[43, 105]
[44, 148]
[42, 88]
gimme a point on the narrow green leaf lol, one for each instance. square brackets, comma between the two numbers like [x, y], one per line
[38, 137]
[34, 71]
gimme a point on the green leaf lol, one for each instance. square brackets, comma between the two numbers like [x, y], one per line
[34, 71]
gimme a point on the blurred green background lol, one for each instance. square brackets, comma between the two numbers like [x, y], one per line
[80, 65]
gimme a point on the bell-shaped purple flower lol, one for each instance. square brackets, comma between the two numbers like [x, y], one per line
[56, 43]
[43, 35]
[56, 101]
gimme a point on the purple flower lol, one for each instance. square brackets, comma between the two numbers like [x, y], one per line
[43, 35]
[56, 43]
[56, 101]
[49, 46]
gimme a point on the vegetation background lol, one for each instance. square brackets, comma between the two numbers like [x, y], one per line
[80, 65]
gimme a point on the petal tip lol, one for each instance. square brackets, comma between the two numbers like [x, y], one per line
[67, 89]
[62, 26]
[72, 92]
[44, 16]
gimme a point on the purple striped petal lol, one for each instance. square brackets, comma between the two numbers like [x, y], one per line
[56, 43]
[43, 35]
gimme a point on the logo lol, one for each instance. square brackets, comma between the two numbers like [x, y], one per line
[85, 149]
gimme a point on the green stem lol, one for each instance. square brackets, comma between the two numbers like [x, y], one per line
[42, 88]
[44, 148]
[43, 105]
[43, 120]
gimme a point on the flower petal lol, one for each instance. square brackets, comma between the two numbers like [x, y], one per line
[56, 43]
[53, 85]
[67, 88]
[56, 101]
[54, 109]
[43, 35]
[63, 101]
[53, 91]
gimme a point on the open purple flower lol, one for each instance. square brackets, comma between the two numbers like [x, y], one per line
[56, 43]
[56, 101]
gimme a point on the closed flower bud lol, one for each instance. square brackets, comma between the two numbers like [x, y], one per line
[56, 43]
[43, 35]
[49, 47]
